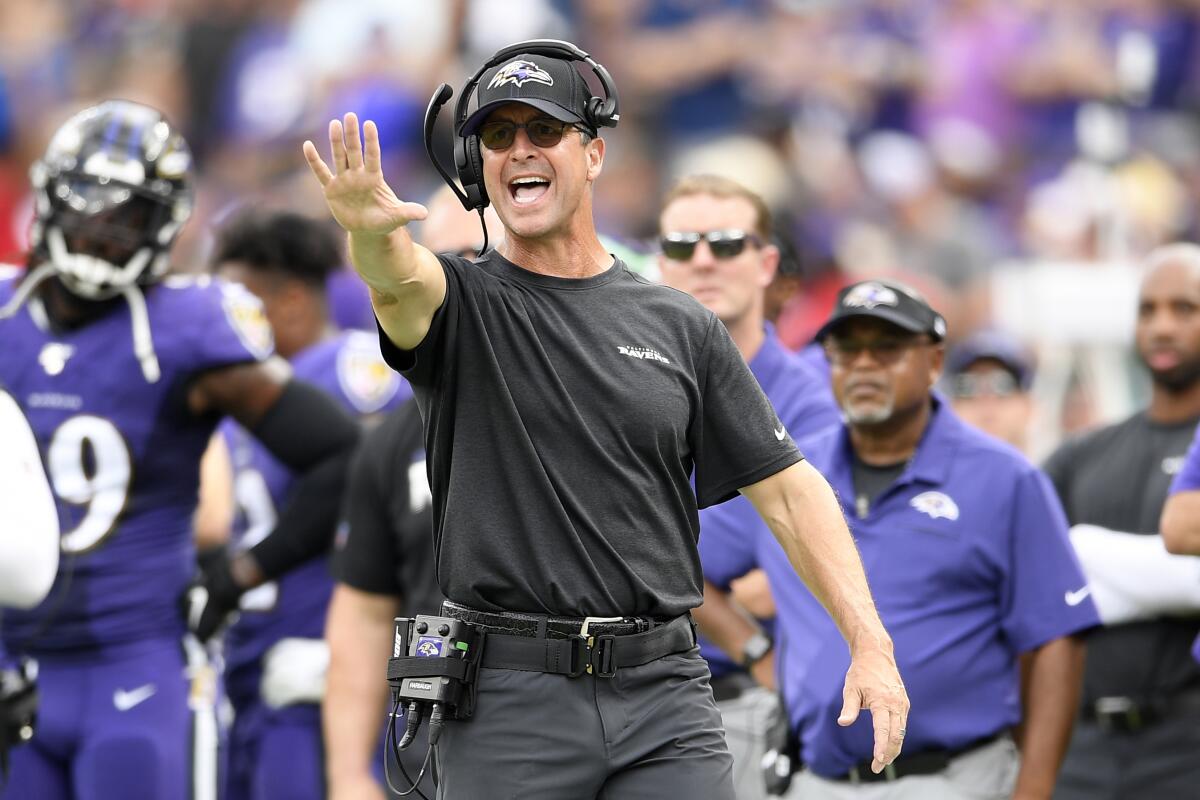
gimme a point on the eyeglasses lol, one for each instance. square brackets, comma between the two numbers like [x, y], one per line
[680, 246]
[542, 131]
[999, 383]
[885, 352]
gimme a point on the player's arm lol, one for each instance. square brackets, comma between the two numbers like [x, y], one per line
[1051, 678]
[213, 520]
[1133, 577]
[406, 280]
[1181, 523]
[359, 633]
[28, 517]
[307, 431]
[802, 512]
[730, 628]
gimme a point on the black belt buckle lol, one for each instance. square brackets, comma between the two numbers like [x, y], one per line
[580, 656]
[602, 660]
[599, 651]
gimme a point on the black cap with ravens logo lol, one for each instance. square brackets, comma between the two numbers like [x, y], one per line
[550, 85]
[889, 301]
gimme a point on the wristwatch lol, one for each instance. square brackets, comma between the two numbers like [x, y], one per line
[756, 648]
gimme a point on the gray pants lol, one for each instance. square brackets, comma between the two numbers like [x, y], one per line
[746, 718]
[648, 733]
[987, 773]
[1159, 762]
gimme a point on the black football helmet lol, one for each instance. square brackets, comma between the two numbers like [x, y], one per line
[112, 192]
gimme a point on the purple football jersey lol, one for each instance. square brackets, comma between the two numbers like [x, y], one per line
[122, 454]
[350, 368]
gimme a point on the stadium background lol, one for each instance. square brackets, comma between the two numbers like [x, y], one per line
[1012, 158]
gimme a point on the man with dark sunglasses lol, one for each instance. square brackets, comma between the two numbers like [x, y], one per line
[567, 405]
[714, 235]
[967, 549]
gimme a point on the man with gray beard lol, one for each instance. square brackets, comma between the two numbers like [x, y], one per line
[1139, 723]
[967, 546]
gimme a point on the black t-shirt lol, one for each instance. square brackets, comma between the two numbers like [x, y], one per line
[1118, 477]
[386, 546]
[563, 419]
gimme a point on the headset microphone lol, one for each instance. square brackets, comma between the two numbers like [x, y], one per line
[440, 97]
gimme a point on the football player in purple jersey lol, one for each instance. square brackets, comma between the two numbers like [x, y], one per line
[275, 654]
[124, 373]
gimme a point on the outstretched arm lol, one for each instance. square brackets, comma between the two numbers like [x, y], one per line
[800, 508]
[406, 281]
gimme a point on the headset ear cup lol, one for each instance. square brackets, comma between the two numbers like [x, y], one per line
[608, 112]
[473, 153]
[595, 112]
[468, 162]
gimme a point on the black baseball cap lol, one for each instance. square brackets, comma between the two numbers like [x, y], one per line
[890, 301]
[551, 85]
[992, 345]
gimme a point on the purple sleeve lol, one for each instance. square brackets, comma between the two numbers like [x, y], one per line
[1188, 479]
[228, 321]
[727, 534]
[1045, 596]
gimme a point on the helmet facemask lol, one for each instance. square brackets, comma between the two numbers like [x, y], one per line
[112, 192]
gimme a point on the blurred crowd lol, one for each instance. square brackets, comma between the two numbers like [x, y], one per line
[1008, 157]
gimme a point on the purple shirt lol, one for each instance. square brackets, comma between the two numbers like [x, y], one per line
[350, 369]
[1188, 480]
[1188, 477]
[804, 403]
[968, 558]
[122, 454]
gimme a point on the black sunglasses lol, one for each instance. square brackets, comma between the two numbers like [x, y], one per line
[542, 131]
[885, 352]
[680, 246]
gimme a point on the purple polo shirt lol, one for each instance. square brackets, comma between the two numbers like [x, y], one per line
[1188, 480]
[968, 558]
[804, 403]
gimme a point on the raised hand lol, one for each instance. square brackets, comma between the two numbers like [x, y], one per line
[359, 198]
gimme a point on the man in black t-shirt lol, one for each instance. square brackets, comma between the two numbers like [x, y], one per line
[567, 405]
[1138, 731]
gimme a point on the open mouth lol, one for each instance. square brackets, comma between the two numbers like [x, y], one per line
[528, 189]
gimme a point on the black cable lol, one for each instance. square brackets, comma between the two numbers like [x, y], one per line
[412, 721]
[483, 224]
[435, 724]
[420, 775]
[391, 751]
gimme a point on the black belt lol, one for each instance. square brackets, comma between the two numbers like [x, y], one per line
[1129, 714]
[574, 646]
[731, 686]
[927, 762]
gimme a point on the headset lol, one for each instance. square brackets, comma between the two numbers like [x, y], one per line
[601, 112]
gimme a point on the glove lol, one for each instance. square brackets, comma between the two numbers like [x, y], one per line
[212, 598]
